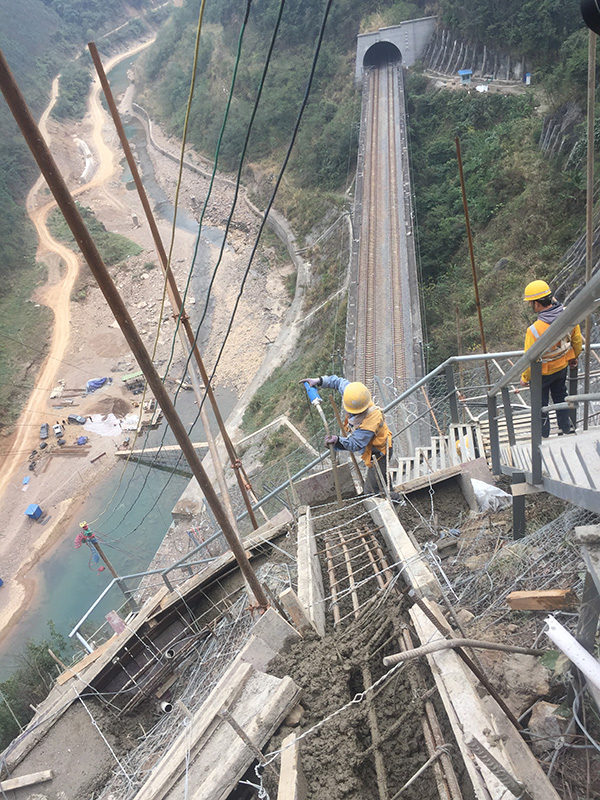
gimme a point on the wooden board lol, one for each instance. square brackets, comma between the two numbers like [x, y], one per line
[425, 481]
[26, 780]
[543, 600]
[292, 783]
[472, 715]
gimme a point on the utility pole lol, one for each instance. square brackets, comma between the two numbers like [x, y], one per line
[90, 537]
[471, 252]
[589, 217]
[41, 153]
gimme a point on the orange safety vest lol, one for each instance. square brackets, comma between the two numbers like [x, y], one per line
[373, 420]
[559, 355]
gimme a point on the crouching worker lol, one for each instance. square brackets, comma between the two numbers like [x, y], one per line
[369, 434]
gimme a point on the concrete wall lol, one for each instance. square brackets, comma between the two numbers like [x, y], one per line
[410, 38]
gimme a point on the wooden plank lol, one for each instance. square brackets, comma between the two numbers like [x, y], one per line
[26, 780]
[311, 593]
[225, 772]
[298, 614]
[519, 489]
[542, 600]
[424, 481]
[472, 715]
[72, 672]
[415, 570]
[292, 783]
[167, 771]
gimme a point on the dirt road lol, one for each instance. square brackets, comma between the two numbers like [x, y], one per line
[56, 295]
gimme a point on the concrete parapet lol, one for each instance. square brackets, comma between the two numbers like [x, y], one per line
[310, 580]
[414, 569]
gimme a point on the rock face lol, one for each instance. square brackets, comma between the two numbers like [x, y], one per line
[520, 679]
[545, 726]
[445, 53]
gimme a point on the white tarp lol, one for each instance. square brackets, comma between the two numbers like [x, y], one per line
[104, 425]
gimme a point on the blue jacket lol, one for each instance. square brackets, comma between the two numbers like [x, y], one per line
[358, 439]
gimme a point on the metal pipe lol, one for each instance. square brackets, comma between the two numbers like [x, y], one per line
[344, 430]
[452, 644]
[65, 202]
[471, 252]
[589, 212]
[175, 297]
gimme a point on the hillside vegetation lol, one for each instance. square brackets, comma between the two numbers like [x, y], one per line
[525, 209]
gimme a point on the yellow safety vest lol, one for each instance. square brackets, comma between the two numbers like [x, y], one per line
[373, 420]
[558, 356]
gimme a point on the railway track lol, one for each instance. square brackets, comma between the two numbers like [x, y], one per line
[383, 344]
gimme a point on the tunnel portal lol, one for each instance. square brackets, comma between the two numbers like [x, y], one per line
[382, 53]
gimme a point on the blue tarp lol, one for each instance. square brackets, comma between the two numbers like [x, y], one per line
[82, 440]
[94, 384]
[33, 511]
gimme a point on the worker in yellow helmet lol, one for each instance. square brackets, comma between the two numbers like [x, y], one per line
[369, 433]
[557, 358]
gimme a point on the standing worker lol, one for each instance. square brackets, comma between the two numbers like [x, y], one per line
[368, 432]
[555, 360]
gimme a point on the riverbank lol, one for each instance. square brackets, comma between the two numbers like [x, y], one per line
[96, 347]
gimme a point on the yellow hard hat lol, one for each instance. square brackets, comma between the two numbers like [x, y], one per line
[535, 290]
[356, 398]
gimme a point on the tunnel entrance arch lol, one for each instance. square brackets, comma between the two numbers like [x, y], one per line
[408, 40]
[382, 53]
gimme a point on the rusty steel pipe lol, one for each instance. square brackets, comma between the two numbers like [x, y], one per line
[176, 299]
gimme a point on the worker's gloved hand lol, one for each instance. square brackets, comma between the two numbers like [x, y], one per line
[331, 440]
[312, 382]
[573, 362]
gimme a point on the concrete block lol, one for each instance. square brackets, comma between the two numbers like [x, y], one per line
[320, 488]
[479, 470]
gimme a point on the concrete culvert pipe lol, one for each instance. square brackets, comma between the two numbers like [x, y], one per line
[166, 707]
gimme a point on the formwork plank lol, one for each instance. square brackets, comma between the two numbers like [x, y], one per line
[471, 715]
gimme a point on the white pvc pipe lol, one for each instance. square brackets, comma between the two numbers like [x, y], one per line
[584, 661]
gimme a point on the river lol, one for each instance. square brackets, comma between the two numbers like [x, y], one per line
[124, 508]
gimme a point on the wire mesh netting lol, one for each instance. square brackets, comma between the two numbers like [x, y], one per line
[210, 661]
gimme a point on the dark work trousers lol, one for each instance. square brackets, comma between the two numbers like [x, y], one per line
[555, 385]
[373, 480]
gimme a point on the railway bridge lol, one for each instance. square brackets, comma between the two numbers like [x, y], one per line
[384, 327]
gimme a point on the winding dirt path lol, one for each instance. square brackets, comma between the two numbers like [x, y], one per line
[57, 295]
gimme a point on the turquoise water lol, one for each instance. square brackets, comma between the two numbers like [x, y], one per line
[133, 523]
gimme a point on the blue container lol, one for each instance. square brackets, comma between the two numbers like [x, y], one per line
[34, 511]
